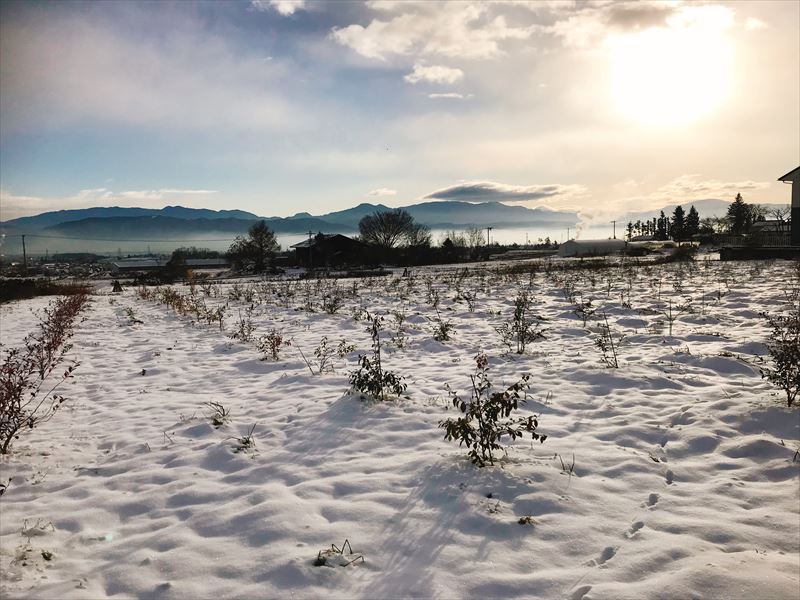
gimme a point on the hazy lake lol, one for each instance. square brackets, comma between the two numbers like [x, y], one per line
[221, 241]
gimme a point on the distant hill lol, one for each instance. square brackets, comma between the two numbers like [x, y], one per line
[351, 216]
[443, 215]
[49, 219]
[162, 227]
[453, 214]
[710, 207]
[174, 221]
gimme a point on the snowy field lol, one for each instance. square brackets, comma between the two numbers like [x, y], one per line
[671, 476]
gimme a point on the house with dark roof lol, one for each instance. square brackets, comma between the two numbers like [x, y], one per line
[329, 250]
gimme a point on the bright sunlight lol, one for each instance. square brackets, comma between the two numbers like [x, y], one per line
[671, 76]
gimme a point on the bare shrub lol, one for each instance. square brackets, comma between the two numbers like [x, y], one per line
[271, 344]
[608, 342]
[524, 327]
[28, 395]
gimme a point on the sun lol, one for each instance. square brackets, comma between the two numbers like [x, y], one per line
[670, 76]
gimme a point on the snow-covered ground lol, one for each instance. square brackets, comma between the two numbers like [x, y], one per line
[672, 476]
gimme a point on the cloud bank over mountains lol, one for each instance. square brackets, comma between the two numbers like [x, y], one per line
[491, 191]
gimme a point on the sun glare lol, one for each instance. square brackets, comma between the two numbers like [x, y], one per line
[670, 76]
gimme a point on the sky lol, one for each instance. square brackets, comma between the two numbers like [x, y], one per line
[286, 106]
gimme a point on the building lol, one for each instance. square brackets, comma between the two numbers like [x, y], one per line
[329, 250]
[793, 177]
[207, 263]
[137, 265]
[769, 226]
[148, 265]
[591, 247]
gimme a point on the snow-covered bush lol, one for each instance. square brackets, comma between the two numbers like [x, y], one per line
[784, 348]
[371, 379]
[487, 416]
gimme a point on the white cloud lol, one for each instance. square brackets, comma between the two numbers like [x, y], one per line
[492, 191]
[693, 187]
[451, 95]
[382, 192]
[592, 23]
[753, 24]
[282, 7]
[454, 29]
[434, 74]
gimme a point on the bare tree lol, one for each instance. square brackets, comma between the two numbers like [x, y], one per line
[419, 235]
[257, 247]
[474, 237]
[457, 239]
[389, 228]
[779, 212]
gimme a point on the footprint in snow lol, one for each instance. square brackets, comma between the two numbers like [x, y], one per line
[606, 555]
[580, 593]
[670, 476]
[634, 528]
[652, 500]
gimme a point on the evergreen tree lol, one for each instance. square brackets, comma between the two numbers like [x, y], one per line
[630, 230]
[661, 227]
[739, 216]
[678, 224]
[692, 222]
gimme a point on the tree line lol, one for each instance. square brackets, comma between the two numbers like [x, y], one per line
[395, 233]
[683, 226]
[387, 232]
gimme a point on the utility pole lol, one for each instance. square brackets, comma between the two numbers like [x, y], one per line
[310, 257]
[488, 229]
[614, 223]
[24, 257]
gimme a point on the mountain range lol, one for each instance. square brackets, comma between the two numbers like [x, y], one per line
[180, 220]
[108, 224]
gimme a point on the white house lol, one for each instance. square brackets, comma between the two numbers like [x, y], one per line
[591, 247]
